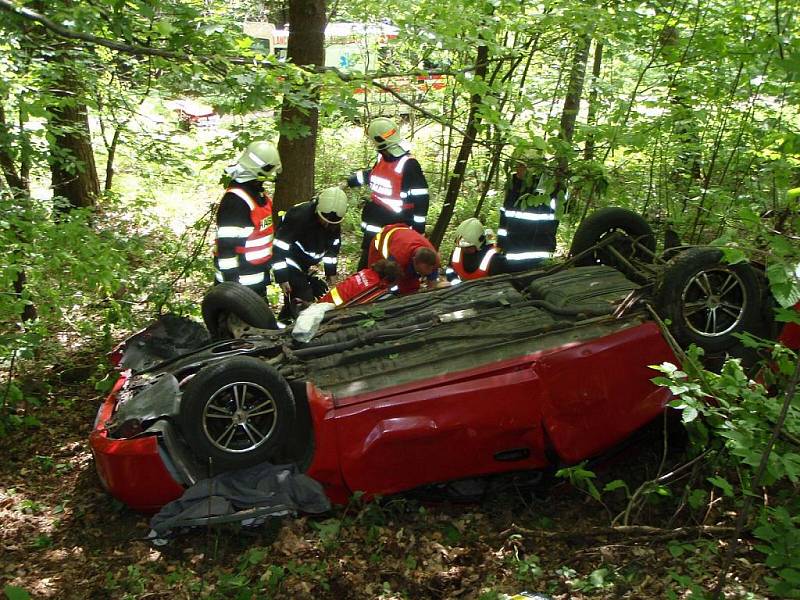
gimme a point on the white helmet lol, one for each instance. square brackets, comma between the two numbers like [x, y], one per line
[261, 159]
[331, 205]
[470, 233]
[386, 136]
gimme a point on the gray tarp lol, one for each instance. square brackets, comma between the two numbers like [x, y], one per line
[244, 495]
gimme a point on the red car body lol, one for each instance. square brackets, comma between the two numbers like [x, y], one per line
[563, 404]
[509, 373]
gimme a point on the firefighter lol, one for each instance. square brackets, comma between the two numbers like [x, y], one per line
[244, 219]
[528, 224]
[366, 285]
[474, 256]
[308, 234]
[413, 253]
[399, 191]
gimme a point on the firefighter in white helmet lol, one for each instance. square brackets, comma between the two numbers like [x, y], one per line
[399, 191]
[474, 256]
[308, 234]
[245, 229]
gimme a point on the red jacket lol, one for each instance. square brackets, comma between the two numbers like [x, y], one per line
[399, 242]
[362, 287]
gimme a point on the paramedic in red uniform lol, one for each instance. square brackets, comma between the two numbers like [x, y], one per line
[244, 219]
[473, 257]
[399, 191]
[413, 253]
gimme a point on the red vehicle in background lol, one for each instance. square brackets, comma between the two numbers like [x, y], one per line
[507, 373]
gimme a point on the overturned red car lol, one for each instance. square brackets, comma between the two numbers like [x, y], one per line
[513, 372]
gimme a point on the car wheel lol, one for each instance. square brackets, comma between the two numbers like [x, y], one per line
[638, 241]
[230, 307]
[706, 300]
[237, 413]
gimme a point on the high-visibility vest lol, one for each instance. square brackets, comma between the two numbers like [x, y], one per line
[257, 248]
[483, 268]
[386, 183]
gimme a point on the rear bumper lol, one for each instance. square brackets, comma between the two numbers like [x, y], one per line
[132, 470]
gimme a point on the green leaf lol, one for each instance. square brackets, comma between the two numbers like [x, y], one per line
[615, 485]
[165, 28]
[16, 593]
[722, 484]
[689, 414]
[676, 549]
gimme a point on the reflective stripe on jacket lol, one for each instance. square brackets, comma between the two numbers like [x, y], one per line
[257, 248]
[361, 287]
[457, 264]
[386, 184]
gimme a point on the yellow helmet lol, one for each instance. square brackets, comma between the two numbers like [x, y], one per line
[261, 159]
[470, 233]
[385, 134]
[332, 205]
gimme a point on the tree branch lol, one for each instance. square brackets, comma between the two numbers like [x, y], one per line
[69, 33]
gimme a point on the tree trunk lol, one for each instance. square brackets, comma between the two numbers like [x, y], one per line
[591, 119]
[456, 179]
[572, 104]
[18, 189]
[306, 46]
[72, 165]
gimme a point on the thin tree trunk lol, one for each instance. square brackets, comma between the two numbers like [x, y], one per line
[112, 151]
[591, 117]
[7, 163]
[18, 189]
[572, 105]
[306, 46]
[456, 179]
[494, 165]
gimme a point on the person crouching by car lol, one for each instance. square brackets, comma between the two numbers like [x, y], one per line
[413, 253]
[365, 286]
[308, 234]
[245, 230]
[473, 257]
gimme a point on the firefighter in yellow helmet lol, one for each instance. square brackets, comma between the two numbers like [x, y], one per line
[474, 256]
[308, 234]
[398, 189]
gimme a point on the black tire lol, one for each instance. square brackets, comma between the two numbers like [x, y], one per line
[707, 300]
[238, 412]
[606, 221]
[231, 298]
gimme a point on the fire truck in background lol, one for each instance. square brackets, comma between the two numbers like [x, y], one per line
[360, 48]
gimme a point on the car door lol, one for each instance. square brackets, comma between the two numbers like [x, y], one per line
[476, 422]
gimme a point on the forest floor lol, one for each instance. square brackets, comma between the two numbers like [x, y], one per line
[63, 536]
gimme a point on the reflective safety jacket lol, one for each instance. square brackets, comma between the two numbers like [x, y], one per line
[245, 233]
[527, 230]
[364, 286]
[302, 241]
[399, 194]
[399, 243]
[464, 266]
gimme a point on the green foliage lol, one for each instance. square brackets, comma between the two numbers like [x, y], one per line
[14, 592]
[581, 479]
[738, 416]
